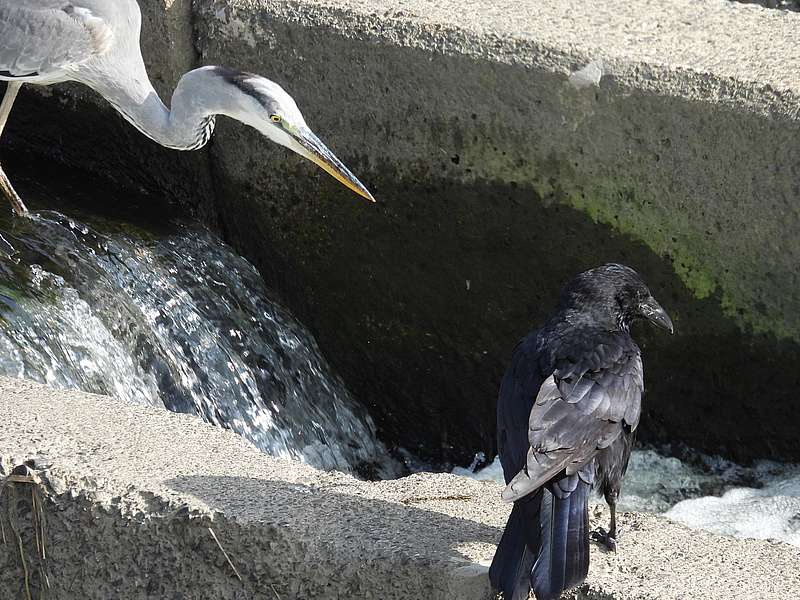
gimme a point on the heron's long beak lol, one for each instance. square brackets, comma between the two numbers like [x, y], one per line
[317, 152]
[652, 311]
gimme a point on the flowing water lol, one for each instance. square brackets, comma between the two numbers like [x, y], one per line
[174, 318]
[167, 315]
[704, 492]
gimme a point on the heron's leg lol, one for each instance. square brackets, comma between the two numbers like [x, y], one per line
[12, 89]
[5, 184]
[8, 191]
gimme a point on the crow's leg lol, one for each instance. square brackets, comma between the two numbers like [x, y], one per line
[612, 528]
[600, 535]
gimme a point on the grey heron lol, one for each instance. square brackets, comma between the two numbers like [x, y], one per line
[96, 43]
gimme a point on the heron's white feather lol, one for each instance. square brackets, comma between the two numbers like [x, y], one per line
[100, 32]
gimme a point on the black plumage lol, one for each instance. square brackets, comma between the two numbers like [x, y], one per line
[567, 411]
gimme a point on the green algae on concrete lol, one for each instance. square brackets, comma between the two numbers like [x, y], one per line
[497, 180]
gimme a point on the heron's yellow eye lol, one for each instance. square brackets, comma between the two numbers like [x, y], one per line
[275, 118]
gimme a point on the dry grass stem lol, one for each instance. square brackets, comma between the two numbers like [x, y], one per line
[235, 570]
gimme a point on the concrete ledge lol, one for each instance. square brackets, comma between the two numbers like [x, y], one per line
[130, 494]
[716, 51]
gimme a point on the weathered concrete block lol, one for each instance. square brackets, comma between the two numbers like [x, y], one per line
[130, 496]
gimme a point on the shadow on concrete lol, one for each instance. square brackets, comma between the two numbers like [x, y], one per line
[302, 534]
[420, 310]
[293, 504]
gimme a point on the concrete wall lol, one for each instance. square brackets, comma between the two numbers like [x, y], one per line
[128, 496]
[500, 175]
[499, 179]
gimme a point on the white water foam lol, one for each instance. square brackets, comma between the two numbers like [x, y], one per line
[768, 512]
[762, 501]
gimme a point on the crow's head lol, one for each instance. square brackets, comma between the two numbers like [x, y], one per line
[613, 296]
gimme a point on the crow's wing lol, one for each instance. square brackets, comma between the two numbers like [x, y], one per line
[519, 387]
[42, 37]
[580, 408]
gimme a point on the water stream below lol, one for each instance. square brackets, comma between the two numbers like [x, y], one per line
[174, 318]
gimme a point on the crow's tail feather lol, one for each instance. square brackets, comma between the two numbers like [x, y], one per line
[545, 545]
[563, 555]
[511, 568]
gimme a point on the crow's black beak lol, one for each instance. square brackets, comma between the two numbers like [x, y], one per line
[652, 311]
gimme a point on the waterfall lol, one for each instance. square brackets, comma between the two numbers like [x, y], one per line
[175, 319]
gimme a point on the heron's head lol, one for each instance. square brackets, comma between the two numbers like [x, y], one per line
[614, 295]
[265, 105]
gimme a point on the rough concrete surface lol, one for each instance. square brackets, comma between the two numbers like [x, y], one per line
[501, 175]
[130, 493]
[664, 46]
[510, 148]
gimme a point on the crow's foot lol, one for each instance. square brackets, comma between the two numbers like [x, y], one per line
[603, 537]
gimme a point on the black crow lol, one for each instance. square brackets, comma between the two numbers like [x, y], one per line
[568, 407]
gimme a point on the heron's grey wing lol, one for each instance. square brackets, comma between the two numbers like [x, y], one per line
[43, 37]
[582, 407]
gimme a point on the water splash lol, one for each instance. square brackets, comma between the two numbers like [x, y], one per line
[770, 511]
[708, 492]
[176, 320]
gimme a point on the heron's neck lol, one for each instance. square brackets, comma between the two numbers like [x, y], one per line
[188, 124]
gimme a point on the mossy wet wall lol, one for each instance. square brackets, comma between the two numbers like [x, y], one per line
[498, 180]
